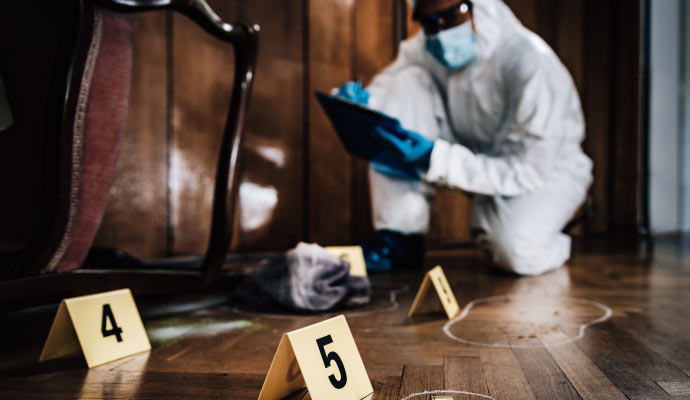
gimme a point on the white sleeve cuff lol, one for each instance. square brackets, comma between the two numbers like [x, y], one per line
[438, 164]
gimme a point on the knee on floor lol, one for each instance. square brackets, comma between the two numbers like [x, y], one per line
[521, 254]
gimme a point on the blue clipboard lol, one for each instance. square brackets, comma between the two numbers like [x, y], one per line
[356, 126]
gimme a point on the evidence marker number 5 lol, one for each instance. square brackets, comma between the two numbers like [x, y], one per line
[329, 364]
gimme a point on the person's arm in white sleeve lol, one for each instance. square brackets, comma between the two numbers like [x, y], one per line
[540, 109]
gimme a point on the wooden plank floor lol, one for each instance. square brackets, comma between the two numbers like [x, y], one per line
[523, 338]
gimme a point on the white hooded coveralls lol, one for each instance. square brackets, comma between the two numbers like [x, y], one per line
[507, 127]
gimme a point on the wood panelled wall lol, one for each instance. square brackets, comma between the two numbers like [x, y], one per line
[298, 182]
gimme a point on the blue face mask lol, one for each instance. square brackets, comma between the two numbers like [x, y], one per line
[454, 47]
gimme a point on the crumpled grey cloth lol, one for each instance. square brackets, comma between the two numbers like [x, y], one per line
[306, 278]
[5, 112]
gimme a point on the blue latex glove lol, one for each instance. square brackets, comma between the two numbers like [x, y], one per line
[354, 91]
[388, 164]
[405, 154]
[406, 151]
[408, 148]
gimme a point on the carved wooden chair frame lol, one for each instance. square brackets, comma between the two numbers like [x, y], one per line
[47, 288]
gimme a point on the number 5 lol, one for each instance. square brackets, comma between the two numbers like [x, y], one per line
[332, 356]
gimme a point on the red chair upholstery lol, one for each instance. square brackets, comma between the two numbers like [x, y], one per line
[98, 128]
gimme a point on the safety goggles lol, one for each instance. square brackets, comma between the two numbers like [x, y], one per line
[444, 19]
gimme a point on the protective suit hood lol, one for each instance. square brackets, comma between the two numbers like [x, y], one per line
[493, 21]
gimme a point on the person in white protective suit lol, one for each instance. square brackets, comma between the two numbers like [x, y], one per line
[490, 110]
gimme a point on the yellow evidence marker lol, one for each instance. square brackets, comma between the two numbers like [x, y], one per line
[443, 290]
[104, 327]
[324, 358]
[353, 255]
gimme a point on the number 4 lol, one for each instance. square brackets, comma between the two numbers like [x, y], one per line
[332, 356]
[115, 330]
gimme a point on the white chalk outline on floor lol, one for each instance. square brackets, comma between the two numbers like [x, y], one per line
[484, 300]
[392, 298]
[483, 396]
